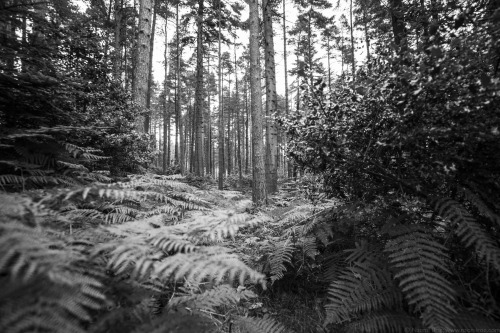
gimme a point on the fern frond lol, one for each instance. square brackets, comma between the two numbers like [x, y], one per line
[280, 254]
[210, 299]
[469, 230]
[366, 285]
[11, 179]
[165, 209]
[198, 266]
[72, 166]
[169, 243]
[266, 324]
[420, 262]
[481, 206]
[309, 247]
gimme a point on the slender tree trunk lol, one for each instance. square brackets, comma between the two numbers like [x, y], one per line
[329, 66]
[150, 70]
[285, 58]
[108, 22]
[118, 43]
[208, 127]
[367, 37]
[298, 77]
[247, 134]
[228, 145]
[271, 101]
[259, 193]
[353, 64]
[221, 113]
[141, 68]
[342, 52]
[237, 110]
[198, 107]
[177, 89]
[309, 47]
[398, 26]
[166, 93]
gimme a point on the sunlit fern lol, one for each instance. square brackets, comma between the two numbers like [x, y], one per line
[211, 299]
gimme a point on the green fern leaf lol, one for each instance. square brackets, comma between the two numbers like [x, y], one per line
[420, 262]
[280, 255]
[469, 230]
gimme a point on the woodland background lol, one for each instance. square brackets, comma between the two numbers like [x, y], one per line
[125, 205]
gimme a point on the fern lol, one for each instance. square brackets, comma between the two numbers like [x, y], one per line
[469, 230]
[266, 324]
[213, 298]
[64, 290]
[198, 266]
[365, 286]
[172, 243]
[420, 262]
[279, 255]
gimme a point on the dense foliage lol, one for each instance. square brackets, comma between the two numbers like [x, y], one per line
[413, 145]
[58, 74]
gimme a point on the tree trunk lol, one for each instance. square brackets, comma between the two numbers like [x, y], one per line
[228, 145]
[150, 70]
[352, 46]
[141, 68]
[237, 110]
[367, 37]
[259, 194]
[247, 134]
[177, 88]
[208, 128]
[166, 93]
[117, 59]
[198, 107]
[221, 114]
[285, 56]
[271, 101]
[398, 25]
[329, 66]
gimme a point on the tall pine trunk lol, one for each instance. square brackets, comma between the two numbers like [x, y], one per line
[166, 93]
[141, 68]
[147, 117]
[353, 64]
[271, 101]
[198, 107]
[117, 59]
[259, 193]
[221, 114]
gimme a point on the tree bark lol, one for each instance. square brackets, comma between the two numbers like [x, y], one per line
[117, 59]
[141, 68]
[398, 26]
[237, 109]
[147, 117]
[259, 193]
[352, 45]
[221, 114]
[166, 93]
[271, 101]
[198, 107]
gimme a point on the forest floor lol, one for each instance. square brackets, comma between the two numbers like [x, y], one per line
[291, 299]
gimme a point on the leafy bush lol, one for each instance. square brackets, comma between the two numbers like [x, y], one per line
[411, 148]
